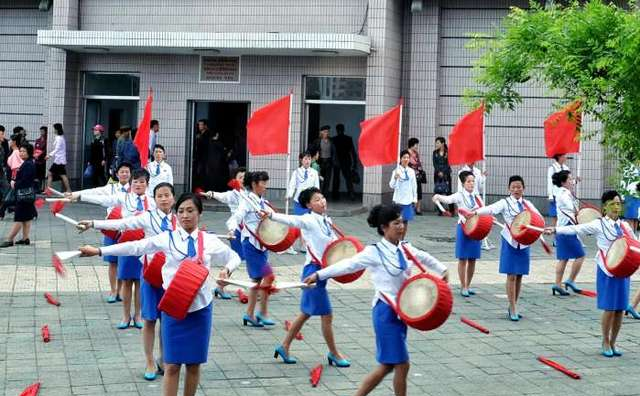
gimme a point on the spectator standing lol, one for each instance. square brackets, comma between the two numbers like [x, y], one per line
[200, 151]
[346, 160]
[4, 154]
[25, 210]
[416, 164]
[441, 169]
[127, 152]
[39, 154]
[327, 158]
[153, 136]
[4, 145]
[58, 170]
[98, 157]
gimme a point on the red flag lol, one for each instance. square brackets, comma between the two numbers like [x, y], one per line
[141, 141]
[562, 130]
[268, 128]
[379, 138]
[466, 143]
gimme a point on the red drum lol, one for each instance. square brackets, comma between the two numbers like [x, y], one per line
[478, 227]
[131, 235]
[275, 236]
[153, 270]
[116, 213]
[340, 249]
[183, 289]
[424, 302]
[621, 260]
[522, 234]
[586, 215]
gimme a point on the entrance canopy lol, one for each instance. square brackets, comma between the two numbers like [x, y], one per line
[196, 43]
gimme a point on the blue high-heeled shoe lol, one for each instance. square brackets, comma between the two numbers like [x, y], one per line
[631, 311]
[464, 293]
[570, 285]
[338, 362]
[221, 294]
[607, 352]
[285, 358]
[471, 292]
[264, 320]
[557, 289]
[150, 376]
[246, 319]
[616, 352]
[512, 317]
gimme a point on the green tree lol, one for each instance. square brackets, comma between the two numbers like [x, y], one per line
[585, 50]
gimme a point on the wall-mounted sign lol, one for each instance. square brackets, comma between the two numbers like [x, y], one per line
[220, 69]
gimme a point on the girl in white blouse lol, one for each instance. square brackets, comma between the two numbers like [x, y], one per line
[467, 249]
[389, 267]
[405, 190]
[185, 341]
[159, 170]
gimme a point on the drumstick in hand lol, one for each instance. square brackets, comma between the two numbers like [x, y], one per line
[443, 210]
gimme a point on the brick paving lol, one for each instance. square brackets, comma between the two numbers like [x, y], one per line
[88, 356]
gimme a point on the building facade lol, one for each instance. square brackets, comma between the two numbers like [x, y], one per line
[82, 62]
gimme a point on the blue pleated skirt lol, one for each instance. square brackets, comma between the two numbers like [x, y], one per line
[391, 335]
[613, 293]
[150, 298]
[514, 261]
[568, 247]
[408, 212]
[106, 241]
[298, 209]
[187, 341]
[257, 265]
[315, 300]
[129, 268]
[466, 248]
[236, 244]
[631, 207]
[553, 211]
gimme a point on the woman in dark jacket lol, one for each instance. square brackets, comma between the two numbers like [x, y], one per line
[25, 210]
[441, 169]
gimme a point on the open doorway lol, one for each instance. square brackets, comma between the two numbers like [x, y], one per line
[219, 142]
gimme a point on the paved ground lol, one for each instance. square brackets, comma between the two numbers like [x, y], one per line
[88, 356]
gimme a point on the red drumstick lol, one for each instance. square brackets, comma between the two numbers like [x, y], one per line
[588, 293]
[559, 367]
[31, 390]
[57, 207]
[58, 266]
[242, 297]
[287, 326]
[45, 333]
[474, 324]
[51, 300]
[315, 375]
[235, 184]
[40, 203]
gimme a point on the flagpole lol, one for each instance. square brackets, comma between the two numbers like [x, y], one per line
[400, 130]
[288, 171]
[485, 242]
[579, 170]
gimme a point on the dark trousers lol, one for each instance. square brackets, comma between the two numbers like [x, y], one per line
[326, 166]
[345, 169]
[98, 178]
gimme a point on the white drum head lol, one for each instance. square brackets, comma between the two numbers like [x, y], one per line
[471, 222]
[271, 232]
[418, 298]
[587, 215]
[616, 252]
[339, 251]
[521, 220]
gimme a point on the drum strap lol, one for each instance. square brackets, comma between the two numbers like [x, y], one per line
[253, 234]
[411, 257]
[479, 201]
[313, 256]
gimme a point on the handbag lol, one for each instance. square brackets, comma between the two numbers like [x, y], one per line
[421, 176]
[88, 171]
[441, 187]
[25, 195]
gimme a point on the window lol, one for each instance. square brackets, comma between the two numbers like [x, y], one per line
[335, 88]
[105, 84]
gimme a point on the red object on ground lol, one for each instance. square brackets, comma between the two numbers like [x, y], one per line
[31, 390]
[379, 138]
[588, 293]
[46, 337]
[315, 375]
[268, 128]
[474, 324]
[58, 266]
[57, 207]
[40, 203]
[466, 138]
[559, 367]
[287, 326]
[51, 300]
[242, 296]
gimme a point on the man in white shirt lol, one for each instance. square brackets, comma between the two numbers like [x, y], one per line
[159, 170]
[479, 176]
[153, 136]
[58, 169]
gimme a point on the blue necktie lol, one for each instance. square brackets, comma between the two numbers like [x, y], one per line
[402, 260]
[261, 203]
[123, 189]
[140, 207]
[306, 174]
[164, 226]
[326, 224]
[618, 229]
[191, 247]
[406, 175]
[158, 169]
[520, 206]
